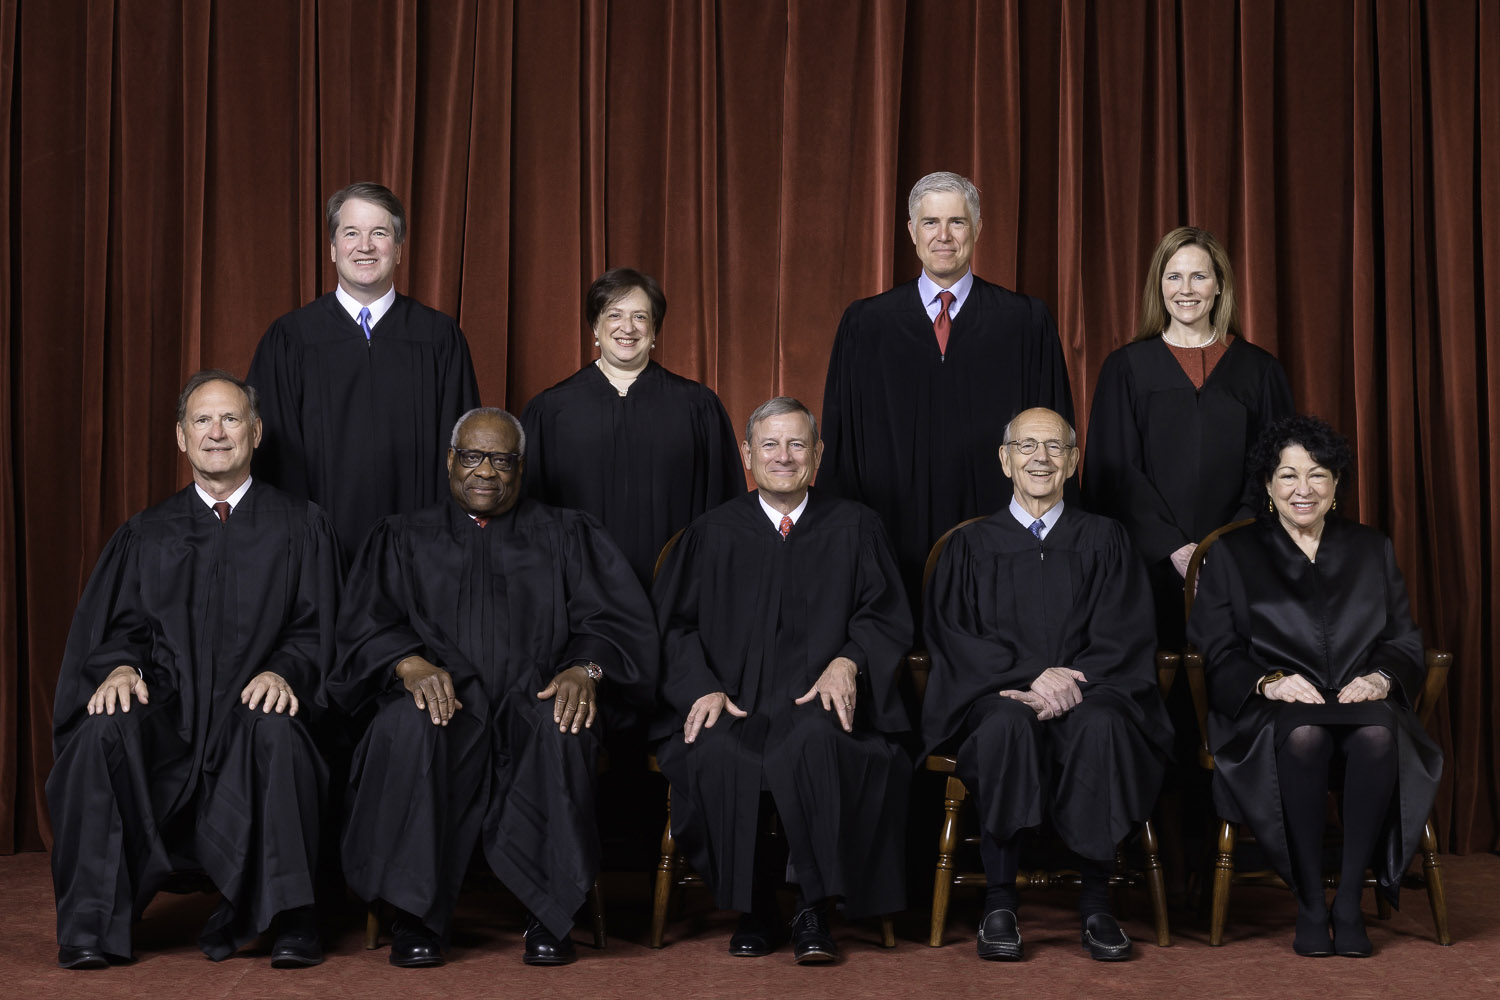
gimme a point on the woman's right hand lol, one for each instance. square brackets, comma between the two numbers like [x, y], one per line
[1293, 687]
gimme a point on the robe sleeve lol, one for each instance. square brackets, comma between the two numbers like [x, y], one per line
[1219, 628]
[276, 373]
[1114, 472]
[839, 474]
[880, 629]
[723, 476]
[304, 651]
[609, 618]
[1051, 385]
[374, 631]
[686, 674]
[1273, 402]
[1120, 640]
[535, 420]
[1398, 649]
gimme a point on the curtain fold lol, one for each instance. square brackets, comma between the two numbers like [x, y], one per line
[165, 168]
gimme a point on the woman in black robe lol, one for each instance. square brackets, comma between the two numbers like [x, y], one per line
[640, 448]
[1175, 412]
[1311, 653]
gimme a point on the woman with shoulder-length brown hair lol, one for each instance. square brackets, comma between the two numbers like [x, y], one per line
[1175, 412]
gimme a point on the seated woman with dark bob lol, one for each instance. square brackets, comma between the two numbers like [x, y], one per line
[1311, 655]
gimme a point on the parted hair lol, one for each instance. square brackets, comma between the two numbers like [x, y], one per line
[618, 282]
[199, 379]
[775, 407]
[943, 180]
[375, 194]
[1224, 314]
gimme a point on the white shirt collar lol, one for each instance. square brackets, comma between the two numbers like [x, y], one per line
[233, 498]
[1024, 519]
[775, 515]
[378, 308]
[929, 289]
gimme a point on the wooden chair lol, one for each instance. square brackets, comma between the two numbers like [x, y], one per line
[1231, 834]
[671, 872]
[949, 838]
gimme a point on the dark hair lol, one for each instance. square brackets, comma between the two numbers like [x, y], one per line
[1223, 316]
[618, 282]
[1327, 446]
[777, 406]
[199, 379]
[375, 194]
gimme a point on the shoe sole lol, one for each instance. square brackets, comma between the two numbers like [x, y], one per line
[818, 957]
[417, 963]
[86, 964]
[1001, 953]
[295, 962]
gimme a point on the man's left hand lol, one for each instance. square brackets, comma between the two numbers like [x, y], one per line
[269, 690]
[1370, 687]
[838, 690]
[575, 705]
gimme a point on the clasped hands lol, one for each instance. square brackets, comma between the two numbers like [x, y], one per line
[837, 687]
[431, 689]
[1054, 693]
[267, 690]
[1295, 687]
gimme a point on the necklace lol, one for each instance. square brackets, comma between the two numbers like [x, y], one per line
[1209, 342]
[622, 385]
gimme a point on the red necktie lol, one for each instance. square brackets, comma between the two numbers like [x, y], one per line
[481, 521]
[222, 509]
[942, 324]
[786, 525]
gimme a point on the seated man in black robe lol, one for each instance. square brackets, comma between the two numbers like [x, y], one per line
[359, 386]
[1040, 628]
[483, 630]
[206, 626]
[783, 624]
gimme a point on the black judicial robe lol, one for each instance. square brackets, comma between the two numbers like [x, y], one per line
[503, 609]
[1168, 460]
[361, 427]
[1001, 608]
[916, 435]
[645, 463]
[200, 608]
[1263, 606]
[745, 612]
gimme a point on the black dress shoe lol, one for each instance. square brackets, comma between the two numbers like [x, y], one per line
[1000, 937]
[1312, 938]
[812, 944]
[69, 957]
[413, 946]
[297, 945]
[755, 936]
[1104, 939]
[545, 948]
[1349, 937]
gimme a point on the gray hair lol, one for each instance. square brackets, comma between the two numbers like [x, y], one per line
[199, 379]
[943, 180]
[490, 411]
[775, 407]
[1072, 434]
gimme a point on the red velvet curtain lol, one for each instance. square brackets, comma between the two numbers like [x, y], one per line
[164, 168]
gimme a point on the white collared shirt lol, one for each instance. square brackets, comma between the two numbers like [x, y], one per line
[775, 515]
[929, 290]
[233, 498]
[378, 308]
[1024, 519]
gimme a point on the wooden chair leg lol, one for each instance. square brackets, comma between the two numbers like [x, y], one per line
[1156, 886]
[1223, 876]
[372, 926]
[596, 910]
[887, 932]
[942, 880]
[666, 872]
[1433, 871]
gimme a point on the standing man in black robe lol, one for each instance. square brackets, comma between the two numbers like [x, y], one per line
[359, 387]
[783, 624]
[923, 377]
[483, 630]
[198, 647]
[1047, 607]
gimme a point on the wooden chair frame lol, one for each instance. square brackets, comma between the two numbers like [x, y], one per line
[1230, 834]
[945, 877]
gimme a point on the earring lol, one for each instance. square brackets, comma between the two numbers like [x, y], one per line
[1335, 504]
[596, 341]
[1270, 505]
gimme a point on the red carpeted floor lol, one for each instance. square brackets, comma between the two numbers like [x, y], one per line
[1255, 961]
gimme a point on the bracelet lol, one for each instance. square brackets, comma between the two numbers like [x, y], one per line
[595, 672]
[1260, 685]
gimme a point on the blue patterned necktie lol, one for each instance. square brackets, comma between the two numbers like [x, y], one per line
[364, 321]
[1036, 528]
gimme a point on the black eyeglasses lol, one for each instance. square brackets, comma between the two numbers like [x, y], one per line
[1029, 446]
[500, 461]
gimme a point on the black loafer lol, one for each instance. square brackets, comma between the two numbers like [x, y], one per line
[1312, 938]
[812, 944]
[297, 945]
[754, 937]
[1000, 937]
[69, 957]
[1104, 939]
[545, 948]
[1350, 939]
[413, 946]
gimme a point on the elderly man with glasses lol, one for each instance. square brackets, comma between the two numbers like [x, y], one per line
[1039, 623]
[482, 633]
